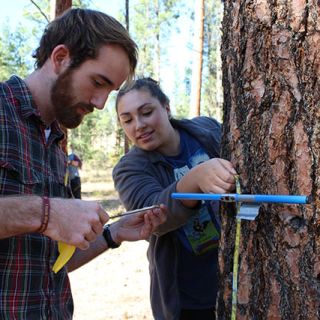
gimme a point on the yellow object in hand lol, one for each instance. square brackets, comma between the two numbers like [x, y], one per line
[65, 253]
[65, 250]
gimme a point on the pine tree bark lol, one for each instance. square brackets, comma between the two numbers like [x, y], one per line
[271, 72]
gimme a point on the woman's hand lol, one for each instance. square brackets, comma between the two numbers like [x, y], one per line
[138, 226]
[213, 176]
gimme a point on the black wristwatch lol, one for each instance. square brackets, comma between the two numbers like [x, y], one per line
[107, 236]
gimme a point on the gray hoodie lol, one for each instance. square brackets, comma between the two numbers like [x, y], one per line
[143, 178]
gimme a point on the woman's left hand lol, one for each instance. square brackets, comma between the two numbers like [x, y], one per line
[138, 226]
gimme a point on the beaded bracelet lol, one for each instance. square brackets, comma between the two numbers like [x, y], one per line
[45, 214]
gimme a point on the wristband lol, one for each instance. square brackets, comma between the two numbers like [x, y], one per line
[45, 214]
[107, 236]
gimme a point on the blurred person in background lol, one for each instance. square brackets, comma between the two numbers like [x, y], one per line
[74, 164]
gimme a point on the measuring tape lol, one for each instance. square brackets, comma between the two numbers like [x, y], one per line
[236, 254]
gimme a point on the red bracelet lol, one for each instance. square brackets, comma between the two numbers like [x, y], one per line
[45, 214]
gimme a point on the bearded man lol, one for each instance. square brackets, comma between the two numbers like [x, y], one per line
[83, 55]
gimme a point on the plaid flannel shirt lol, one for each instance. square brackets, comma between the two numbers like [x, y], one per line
[30, 165]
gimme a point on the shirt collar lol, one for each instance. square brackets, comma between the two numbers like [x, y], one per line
[22, 94]
[25, 103]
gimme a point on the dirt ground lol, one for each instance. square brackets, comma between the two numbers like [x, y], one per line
[115, 285]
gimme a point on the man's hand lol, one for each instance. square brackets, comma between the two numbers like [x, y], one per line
[133, 227]
[138, 226]
[75, 222]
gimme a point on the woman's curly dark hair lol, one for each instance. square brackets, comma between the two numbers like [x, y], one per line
[148, 84]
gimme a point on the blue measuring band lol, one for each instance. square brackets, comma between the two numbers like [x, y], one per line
[234, 197]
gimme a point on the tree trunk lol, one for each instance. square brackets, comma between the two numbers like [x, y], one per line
[127, 14]
[271, 72]
[157, 61]
[62, 6]
[197, 68]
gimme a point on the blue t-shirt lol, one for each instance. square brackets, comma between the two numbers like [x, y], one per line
[198, 238]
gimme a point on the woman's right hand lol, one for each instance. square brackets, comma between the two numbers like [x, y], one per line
[213, 176]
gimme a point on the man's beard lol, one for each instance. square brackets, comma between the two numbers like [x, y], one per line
[66, 111]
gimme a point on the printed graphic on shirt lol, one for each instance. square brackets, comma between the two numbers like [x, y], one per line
[201, 233]
[180, 172]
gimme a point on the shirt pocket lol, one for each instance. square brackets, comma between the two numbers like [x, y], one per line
[17, 178]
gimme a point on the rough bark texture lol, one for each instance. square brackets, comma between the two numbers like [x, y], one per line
[271, 72]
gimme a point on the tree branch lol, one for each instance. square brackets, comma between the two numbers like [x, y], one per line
[42, 13]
